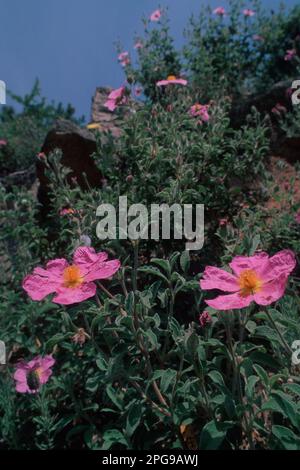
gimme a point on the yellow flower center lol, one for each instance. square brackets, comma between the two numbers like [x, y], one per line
[72, 276]
[249, 282]
[171, 78]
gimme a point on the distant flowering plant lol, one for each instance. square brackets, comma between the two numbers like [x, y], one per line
[138, 45]
[156, 15]
[71, 283]
[257, 37]
[201, 111]
[30, 376]
[66, 211]
[116, 98]
[172, 80]
[124, 58]
[248, 12]
[290, 54]
[3, 143]
[257, 278]
[220, 11]
[279, 109]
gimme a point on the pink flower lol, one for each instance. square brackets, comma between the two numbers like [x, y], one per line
[223, 221]
[290, 53]
[66, 211]
[155, 16]
[31, 375]
[71, 283]
[248, 12]
[138, 91]
[138, 45]
[200, 110]
[219, 11]
[3, 143]
[124, 59]
[115, 98]
[41, 156]
[172, 80]
[204, 319]
[257, 278]
[278, 109]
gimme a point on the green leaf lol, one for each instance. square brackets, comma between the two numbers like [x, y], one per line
[213, 434]
[250, 386]
[133, 418]
[163, 264]
[113, 436]
[153, 271]
[113, 395]
[286, 437]
[167, 378]
[185, 261]
[262, 374]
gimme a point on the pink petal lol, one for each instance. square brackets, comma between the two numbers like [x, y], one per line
[215, 278]
[22, 387]
[257, 262]
[162, 82]
[44, 377]
[103, 270]
[272, 291]
[68, 296]
[86, 256]
[94, 265]
[230, 301]
[43, 282]
[47, 362]
[283, 262]
[34, 363]
[20, 375]
[110, 105]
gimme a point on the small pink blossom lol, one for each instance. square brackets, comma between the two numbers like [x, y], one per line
[124, 58]
[219, 11]
[41, 156]
[200, 110]
[248, 12]
[279, 109]
[138, 45]
[172, 80]
[138, 91]
[70, 283]
[115, 98]
[223, 222]
[32, 375]
[155, 16]
[257, 278]
[66, 211]
[290, 53]
[204, 319]
[3, 142]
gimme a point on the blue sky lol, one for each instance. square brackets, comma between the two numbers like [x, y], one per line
[69, 44]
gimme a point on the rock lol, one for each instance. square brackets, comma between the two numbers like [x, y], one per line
[263, 102]
[77, 145]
